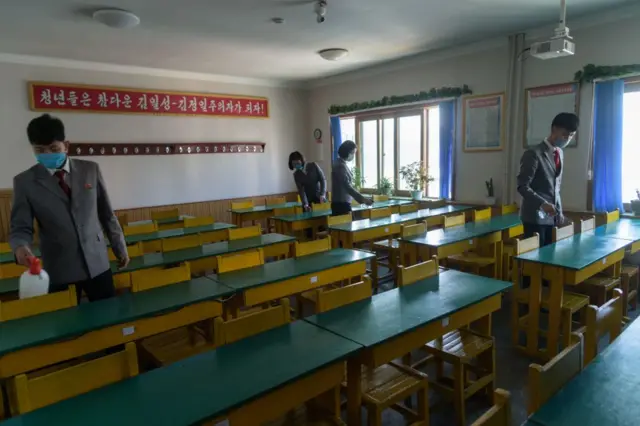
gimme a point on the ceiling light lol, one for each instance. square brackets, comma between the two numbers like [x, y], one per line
[116, 18]
[333, 54]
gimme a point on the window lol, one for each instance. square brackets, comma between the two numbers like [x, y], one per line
[631, 143]
[390, 140]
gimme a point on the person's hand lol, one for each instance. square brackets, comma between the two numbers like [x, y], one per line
[323, 199]
[368, 201]
[306, 207]
[549, 209]
[23, 254]
[123, 262]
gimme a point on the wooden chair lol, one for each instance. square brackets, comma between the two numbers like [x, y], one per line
[338, 220]
[390, 246]
[239, 205]
[380, 198]
[233, 262]
[247, 232]
[499, 414]
[563, 233]
[193, 222]
[390, 384]
[410, 274]
[407, 256]
[147, 228]
[377, 213]
[232, 330]
[408, 208]
[29, 392]
[11, 270]
[274, 201]
[629, 278]
[305, 249]
[454, 220]
[123, 280]
[607, 319]
[147, 279]
[437, 204]
[484, 214]
[16, 309]
[546, 380]
[165, 214]
[321, 207]
[479, 260]
[282, 211]
[5, 248]
[584, 225]
[179, 243]
[507, 209]
[611, 217]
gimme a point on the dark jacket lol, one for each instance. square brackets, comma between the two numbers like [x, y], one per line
[342, 181]
[311, 183]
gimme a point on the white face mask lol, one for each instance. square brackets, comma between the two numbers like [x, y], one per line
[351, 157]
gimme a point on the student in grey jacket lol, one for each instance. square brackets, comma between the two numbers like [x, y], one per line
[310, 180]
[342, 181]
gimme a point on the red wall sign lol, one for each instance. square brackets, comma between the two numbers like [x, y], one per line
[102, 99]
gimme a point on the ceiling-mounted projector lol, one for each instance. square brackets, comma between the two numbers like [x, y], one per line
[561, 44]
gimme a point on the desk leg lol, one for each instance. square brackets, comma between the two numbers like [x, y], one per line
[555, 278]
[534, 271]
[347, 239]
[498, 265]
[354, 391]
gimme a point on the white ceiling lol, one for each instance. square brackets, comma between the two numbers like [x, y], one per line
[236, 37]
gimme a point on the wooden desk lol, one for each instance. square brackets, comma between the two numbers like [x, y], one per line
[164, 224]
[287, 277]
[151, 241]
[239, 216]
[34, 342]
[458, 239]
[10, 258]
[393, 323]
[623, 229]
[248, 382]
[567, 262]
[605, 394]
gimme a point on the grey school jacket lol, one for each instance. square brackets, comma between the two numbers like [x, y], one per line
[311, 183]
[71, 230]
[539, 182]
[342, 182]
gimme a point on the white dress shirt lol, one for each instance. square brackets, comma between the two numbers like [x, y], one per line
[66, 168]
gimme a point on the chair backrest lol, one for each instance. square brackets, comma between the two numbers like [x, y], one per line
[454, 220]
[5, 248]
[165, 214]
[378, 213]
[378, 198]
[327, 299]
[607, 319]
[483, 214]
[407, 231]
[31, 393]
[298, 210]
[584, 225]
[248, 232]
[16, 309]
[527, 244]
[546, 380]
[146, 279]
[284, 211]
[321, 207]
[134, 250]
[248, 325]
[311, 247]
[558, 234]
[499, 414]
[233, 262]
[612, 216]
[408, 208]
[274, 201]
[11, 270]
[411, 274]
[123, 219]
[437, 204]
[508, 209]
[179, 243]
[147, 228]
[338, 220]
[238, 205]
[192, 222]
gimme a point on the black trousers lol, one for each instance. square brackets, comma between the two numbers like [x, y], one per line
[97, 288]
[545, 232]
[338, 209]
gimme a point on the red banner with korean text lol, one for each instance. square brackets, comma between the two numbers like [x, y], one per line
[102, 99]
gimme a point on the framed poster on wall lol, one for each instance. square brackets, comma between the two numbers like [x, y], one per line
[542, 104]
[483, 122]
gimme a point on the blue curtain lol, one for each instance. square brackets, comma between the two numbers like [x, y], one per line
[447, 145]
[336, 134]
[607, 146]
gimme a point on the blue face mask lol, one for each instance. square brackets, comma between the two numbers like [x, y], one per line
[299, 166]
[52, 160]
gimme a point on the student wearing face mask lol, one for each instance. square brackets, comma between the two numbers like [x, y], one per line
[342, 180]
[69, 200]
[540, 178]
[310, 180]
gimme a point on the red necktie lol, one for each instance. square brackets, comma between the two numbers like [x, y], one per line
[556, 156]
[65, 188]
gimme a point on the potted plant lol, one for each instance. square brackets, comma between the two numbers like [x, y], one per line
[415, 175]
[385, 187]
[635, 204]
[491, 199]
[358, 179]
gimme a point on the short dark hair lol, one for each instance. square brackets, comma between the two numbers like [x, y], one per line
[346, 148]
[567, 121]
[45, 130]
[295, 155]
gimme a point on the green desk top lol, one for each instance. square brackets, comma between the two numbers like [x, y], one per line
[164, 221]
[325, 213]
[202, 387]
[9, 285]
[257, 209]
[576, 252]
[10, 258]
[178, 232]
[72, 322]
[401, 310]
[624, 229]
[605, 394]
[442, 237]
[361, 225]
[290, 268]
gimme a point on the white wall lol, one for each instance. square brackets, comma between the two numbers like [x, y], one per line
[485, 71]
[149, 181]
